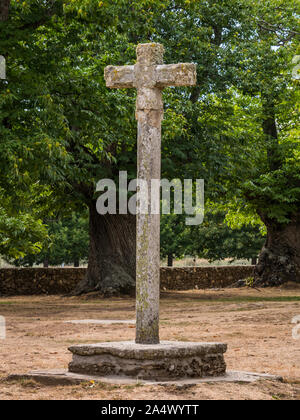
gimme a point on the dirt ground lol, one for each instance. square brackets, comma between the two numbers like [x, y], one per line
[256, 324]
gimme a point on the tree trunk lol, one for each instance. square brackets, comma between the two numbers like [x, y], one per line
[279, 261]
[254, 260]
[111, 265]
[170, 260]
[4, 10]
[46, 263]
[76, 263]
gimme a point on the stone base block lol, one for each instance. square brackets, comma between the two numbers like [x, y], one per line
[63, 377]
[165, 361]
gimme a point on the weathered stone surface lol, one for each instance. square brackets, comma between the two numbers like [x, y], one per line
[148, 230]
[119, 77]
[182, 74]
[149, 76]
[188, 278]
[63, 377]
[149, 99]
[150, 54]
[157, 362]
[131, 350]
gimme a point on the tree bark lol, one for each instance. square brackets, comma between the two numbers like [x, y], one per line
[170, 260]
[254, 260]
[76, 263]
[279, 261]
[271, 134]
[4, 10]
[111, 265]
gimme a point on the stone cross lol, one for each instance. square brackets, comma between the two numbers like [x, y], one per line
[149, 76]
[2, 67]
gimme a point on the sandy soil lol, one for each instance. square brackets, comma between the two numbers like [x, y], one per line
[256, 324]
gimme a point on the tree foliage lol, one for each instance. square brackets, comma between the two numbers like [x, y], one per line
[68, 243]
[61, 129]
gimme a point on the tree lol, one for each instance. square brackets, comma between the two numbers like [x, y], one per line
[253, 128]
[68, 243]
[53, 118]
[20, 234]
[273, 189]
[70, 131]
[57, 112]
[174, 237]
[215, 240]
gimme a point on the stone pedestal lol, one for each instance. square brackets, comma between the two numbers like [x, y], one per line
[165, 361]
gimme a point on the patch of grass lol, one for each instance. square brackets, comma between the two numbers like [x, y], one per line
[99, 385]
[133, 386]
[246, 299]
[7, 303]
[28, 383]
[270, 299]
[245, 309]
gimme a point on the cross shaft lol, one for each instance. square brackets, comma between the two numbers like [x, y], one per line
[149, 76]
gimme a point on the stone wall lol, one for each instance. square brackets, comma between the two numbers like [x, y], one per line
[52, 281]
[186, 278]
[37, 281]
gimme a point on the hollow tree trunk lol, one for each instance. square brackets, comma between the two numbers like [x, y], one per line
[111, 264]
[279, 261]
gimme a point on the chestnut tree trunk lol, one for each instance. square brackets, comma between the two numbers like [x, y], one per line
[111, 264]
[279, 261]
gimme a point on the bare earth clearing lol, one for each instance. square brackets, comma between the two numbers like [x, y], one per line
[255, 324]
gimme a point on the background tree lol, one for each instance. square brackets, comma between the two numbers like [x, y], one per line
[272, 185]
[60, 128]
[215, 240]
[67, 244]
[20, 234]
[174, 237]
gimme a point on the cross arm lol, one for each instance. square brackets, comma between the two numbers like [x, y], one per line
[119, 76]
[182, 74]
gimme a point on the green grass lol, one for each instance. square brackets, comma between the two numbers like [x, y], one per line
[246, 299]
[264, 299]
